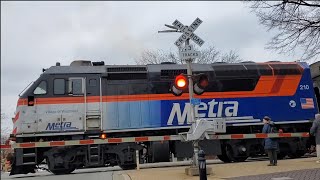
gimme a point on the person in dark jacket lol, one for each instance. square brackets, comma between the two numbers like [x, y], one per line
[270, 145]
[315, 131]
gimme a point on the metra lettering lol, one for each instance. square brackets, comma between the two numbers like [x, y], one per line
[60, 126]
[211, 109]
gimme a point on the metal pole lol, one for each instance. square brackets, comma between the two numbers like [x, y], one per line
[189, 72]
[202, 166]
[192, 111]
[138, 160]
[195, 153]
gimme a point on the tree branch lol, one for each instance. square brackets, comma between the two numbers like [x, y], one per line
[297, 21]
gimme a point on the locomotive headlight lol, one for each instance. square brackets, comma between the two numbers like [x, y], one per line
[103, 136]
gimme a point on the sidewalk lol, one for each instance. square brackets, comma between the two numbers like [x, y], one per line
[222, 171]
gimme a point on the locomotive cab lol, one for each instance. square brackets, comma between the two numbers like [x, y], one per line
[72, 93]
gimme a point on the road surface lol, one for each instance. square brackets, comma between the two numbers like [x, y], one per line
[307, 174]
[81, 174]
[253, 168]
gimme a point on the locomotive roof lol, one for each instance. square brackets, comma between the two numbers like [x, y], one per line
[101, 69]
[123, 68]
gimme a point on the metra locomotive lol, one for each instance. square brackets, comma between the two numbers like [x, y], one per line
[90, 100]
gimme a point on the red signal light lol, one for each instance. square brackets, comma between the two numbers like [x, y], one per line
[180, 84]
[204, 83]
[201, 84]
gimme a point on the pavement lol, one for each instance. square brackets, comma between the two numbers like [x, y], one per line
[306, 174]
[110, 173]
[246, 170]
[252, 169]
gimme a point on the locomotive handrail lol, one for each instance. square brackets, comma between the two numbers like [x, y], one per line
[25, 88]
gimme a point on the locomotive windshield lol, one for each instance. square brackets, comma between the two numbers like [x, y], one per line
[41, 88]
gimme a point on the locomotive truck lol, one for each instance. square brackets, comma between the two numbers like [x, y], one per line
[89, 114]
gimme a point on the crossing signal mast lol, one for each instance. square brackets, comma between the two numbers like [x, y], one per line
[194, 83]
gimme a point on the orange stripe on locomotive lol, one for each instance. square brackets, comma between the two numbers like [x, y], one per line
[267, 86]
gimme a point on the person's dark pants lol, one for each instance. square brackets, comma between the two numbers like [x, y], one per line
[272, 153]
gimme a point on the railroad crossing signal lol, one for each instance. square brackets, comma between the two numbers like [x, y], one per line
[200, 84]
[181, 84]
[188, 32]
[197, 83]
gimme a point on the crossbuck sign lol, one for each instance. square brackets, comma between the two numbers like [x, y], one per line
[188, 32]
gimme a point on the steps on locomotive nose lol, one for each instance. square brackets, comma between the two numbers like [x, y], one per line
[94, 154]
[29, 156]
[93, 114]
[93, 119]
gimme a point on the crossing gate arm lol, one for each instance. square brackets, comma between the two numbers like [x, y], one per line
[147, 139]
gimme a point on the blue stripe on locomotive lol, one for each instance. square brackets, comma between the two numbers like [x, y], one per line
[156, 114]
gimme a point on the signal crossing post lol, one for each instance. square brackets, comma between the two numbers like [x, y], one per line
[202, 165]
[192, 112]
[190, 54]
[189, 73]
[187, 53]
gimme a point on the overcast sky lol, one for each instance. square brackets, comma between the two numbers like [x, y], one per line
[36, 35]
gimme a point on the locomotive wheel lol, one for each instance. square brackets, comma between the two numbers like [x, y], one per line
[240, 158]
[297, 154]
[128, 166]
[228, 155]
[224, 158]
[229, 152]
[281, 155]
[62, 171]
[160, 152]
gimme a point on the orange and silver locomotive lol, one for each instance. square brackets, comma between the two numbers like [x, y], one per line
[89, 114]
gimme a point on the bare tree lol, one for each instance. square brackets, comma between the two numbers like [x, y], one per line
[4, 153]
[298, 23]
[208, 55]
[156, 57]
[231, 57]
[5, 131]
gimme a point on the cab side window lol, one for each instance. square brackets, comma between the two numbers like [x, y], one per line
[76, 86]
[59, 86]
[41, 88]
[92, 82]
